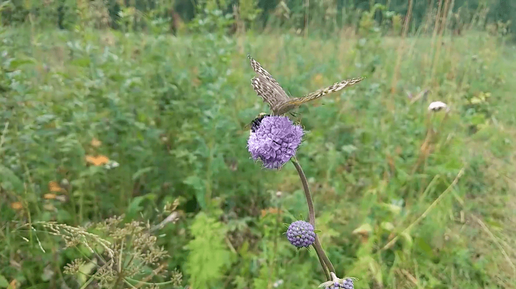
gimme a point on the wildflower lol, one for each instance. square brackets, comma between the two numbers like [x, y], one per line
[49, 196]
[97, 161]
[54, 187]
[338, 283]
[348, 284]
[16, 205]
[437, 105]
[277, 283]
[111, 165]
[95, 143]
[274, 141]
[301, 234]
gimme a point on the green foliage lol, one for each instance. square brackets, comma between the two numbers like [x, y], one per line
[327, 17]
[248, 10]
[209, 256]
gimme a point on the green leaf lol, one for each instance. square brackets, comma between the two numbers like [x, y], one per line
[407, 240]
[141, 172]
[394, 209]
[16, 63]
[84, 62]
[363, 229]
[85, 269]
[209, 256]
[135, 205]
[388, 226]
[9, 181]
[3, 282]
[198, 185]
[423, 245]
[476, 100]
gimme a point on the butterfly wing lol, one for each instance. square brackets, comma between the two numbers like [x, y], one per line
[293, 102]
[266, 86]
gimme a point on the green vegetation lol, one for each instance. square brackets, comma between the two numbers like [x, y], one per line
[404, 197]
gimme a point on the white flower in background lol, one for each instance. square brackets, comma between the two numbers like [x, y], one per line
[278, 283]
[437, 106]
[111, 165]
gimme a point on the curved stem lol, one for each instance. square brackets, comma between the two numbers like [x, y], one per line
[323, 265]
[326, 260]
[311, 211]
[323, 259]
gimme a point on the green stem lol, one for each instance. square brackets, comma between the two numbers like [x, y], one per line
[317, 246]
[311, 211]
[323, 259]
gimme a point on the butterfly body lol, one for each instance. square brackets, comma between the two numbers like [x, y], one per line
[280, 103]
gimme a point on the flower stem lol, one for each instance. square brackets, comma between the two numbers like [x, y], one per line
[311, 211]
[323, 259]
[323, 266]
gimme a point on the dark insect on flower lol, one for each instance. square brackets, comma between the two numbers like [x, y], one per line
[274, 141]
[271, 92]
[301, 234]
[255, 124]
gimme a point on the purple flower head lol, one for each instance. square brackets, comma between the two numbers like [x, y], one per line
[301, 234]
[274, 141]
[338, 283]
[348, 284]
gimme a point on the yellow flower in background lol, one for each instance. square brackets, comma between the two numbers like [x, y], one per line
[54, 187]
[49, 196]
[98, 160]
[16, 206]
[271, 211]
[318, 79]
[13, 285]
[95, 143]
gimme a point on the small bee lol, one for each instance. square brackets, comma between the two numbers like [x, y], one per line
[255, 124]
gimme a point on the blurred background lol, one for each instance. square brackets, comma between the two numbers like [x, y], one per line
[123, 133]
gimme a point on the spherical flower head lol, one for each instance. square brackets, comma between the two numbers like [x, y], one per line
[347, 284]
[338, 283]
[275, 141]
[301, 234]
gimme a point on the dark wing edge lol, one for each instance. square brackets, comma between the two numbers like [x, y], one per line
[297, 101]
[330, 89]
[275, 86]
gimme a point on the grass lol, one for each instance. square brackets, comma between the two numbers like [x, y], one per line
[172, 112]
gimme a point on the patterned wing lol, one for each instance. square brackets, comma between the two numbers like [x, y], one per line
[266, 86]
[293, 102]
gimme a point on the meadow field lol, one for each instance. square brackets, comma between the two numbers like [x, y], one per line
[125, 160]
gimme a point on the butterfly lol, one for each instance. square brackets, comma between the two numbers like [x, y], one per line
[280, 103]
